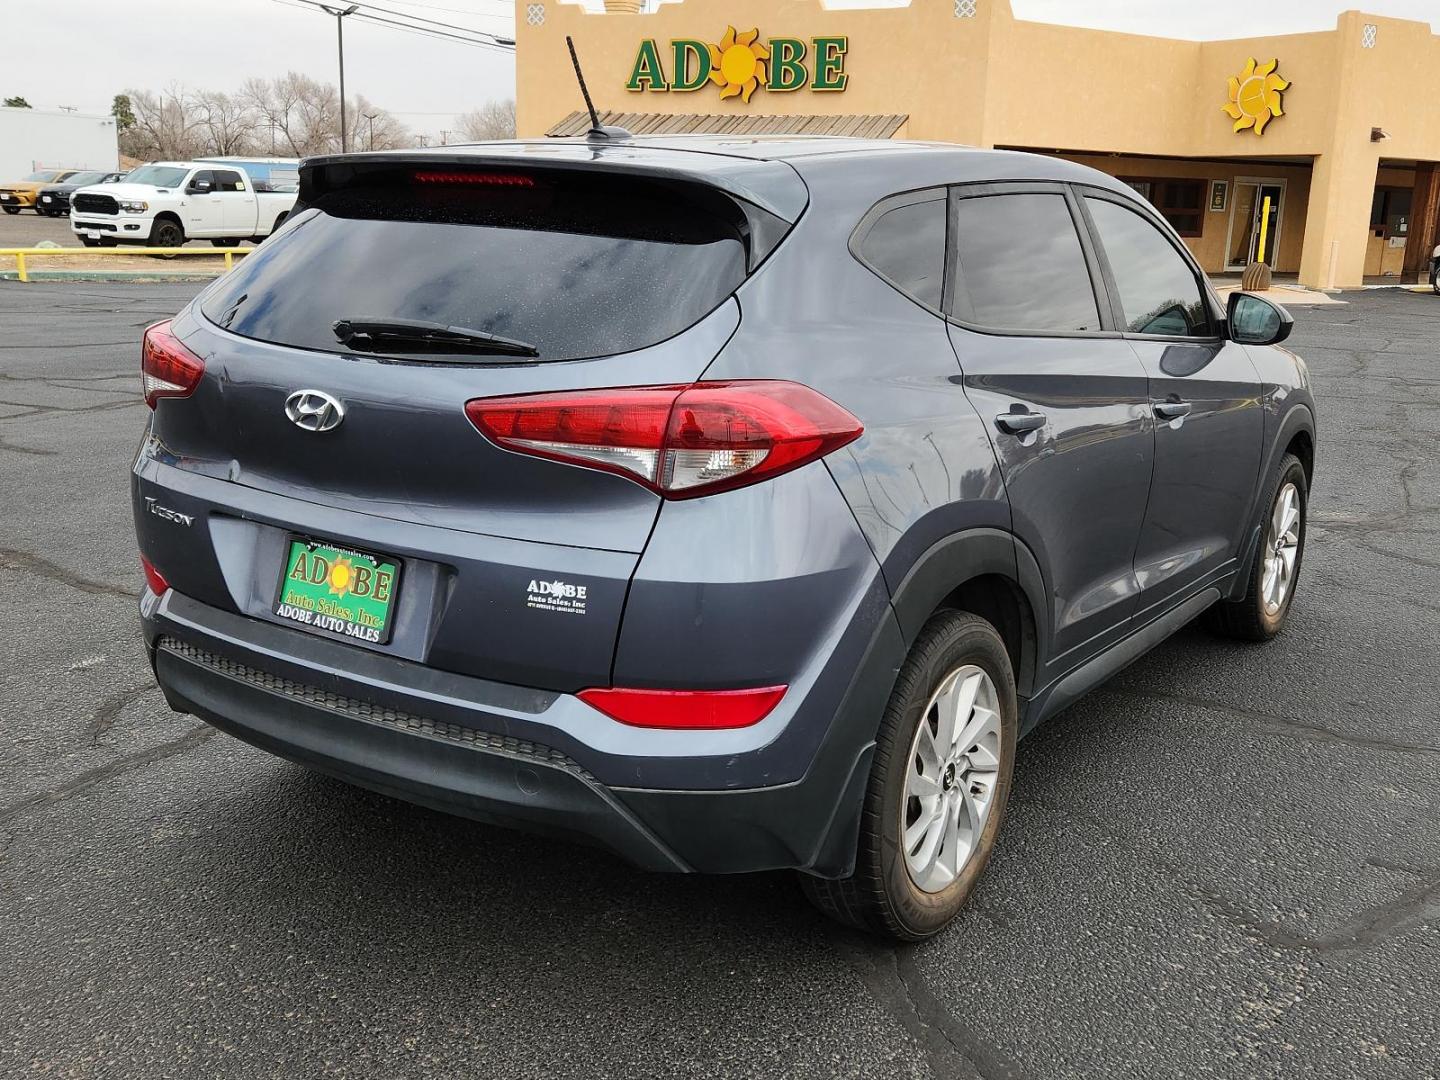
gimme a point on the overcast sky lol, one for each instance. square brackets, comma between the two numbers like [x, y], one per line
[82, 52]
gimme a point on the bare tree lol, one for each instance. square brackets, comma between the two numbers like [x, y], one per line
[164, 127]
[303, 114]
[495, 120]
[230, 123]
[292, 116]
[375, 129]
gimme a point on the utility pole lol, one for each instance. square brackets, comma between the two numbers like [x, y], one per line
[340, 14]
[370, 116]
[444, 137]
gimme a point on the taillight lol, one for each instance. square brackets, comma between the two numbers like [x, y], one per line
[153, 578]
[167, 368]
[478, 179]
[687, 709]
[680, 441]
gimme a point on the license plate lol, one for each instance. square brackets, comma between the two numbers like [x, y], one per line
[338, 589]
[45, 198]
[92, 234]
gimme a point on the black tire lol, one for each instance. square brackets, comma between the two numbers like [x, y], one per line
[880, 896]
[1435, 283]
[166, 233]
[227, 241]
[10, 209]
[1248, 619]
[88, 242]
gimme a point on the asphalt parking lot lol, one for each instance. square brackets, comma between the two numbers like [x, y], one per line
[27, 228]
[1224, 863]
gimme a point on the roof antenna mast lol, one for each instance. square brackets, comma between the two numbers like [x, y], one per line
[597, 129]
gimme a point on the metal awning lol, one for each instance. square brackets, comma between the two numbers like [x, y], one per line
[855, 125]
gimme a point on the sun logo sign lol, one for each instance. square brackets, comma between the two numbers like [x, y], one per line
[740, 64]
[1255, 96]
[737, 64]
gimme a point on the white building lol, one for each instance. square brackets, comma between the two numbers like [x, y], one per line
[33, 139]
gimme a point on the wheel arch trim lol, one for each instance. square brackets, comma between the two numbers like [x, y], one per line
[1297, 420]
[954, 561]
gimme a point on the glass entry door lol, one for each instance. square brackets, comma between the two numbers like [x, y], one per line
[1247, 201]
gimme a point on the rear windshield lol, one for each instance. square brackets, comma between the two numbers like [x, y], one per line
[576, 265]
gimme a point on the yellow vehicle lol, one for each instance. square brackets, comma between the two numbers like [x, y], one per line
[20, 195]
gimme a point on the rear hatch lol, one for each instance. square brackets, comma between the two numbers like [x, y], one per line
[563, 274]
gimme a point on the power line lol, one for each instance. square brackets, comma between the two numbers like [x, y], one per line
[432, 26]
[497, 38]
[399, 28]
[508, 15]
[498, 45]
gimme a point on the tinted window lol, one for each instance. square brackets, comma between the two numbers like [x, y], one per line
[1158, 290]
[1020, 265]
[227, 181]
[906, 246]
[575, 264]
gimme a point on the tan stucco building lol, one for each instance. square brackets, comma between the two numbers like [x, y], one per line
[1348, 126]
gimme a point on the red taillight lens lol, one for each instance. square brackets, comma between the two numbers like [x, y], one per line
[686, 709]
[680, 441]
[167, 368]
[153, 578]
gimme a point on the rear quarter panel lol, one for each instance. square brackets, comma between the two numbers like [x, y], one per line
[924, 469]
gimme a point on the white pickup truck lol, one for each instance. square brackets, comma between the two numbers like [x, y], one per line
[166, 203]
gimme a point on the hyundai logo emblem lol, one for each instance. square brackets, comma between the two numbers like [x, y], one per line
[314, 410]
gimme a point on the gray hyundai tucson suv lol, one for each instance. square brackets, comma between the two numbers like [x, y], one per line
[733, 504]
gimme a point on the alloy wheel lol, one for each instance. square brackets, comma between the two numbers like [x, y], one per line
[951, 778]
[1282, 549]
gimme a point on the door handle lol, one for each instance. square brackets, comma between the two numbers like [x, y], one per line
[1018, 423]
[1172, 410]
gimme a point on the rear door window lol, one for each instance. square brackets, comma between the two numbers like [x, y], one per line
[228, 181]
[1020, 266]
[575, 264]
[906, 246]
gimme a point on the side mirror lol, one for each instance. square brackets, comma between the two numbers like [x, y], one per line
[199, 187]
[1253, 320]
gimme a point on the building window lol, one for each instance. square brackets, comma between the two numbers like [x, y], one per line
[1180, 202]
[1390, 212]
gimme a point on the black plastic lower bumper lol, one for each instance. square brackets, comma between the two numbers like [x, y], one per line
[500, 781]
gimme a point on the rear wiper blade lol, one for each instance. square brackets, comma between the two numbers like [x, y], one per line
[417, 335]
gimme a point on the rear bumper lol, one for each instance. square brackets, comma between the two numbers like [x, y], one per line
[441, 765]
[468, 747]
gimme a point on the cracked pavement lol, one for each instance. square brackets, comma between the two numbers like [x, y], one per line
[1226, 862]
